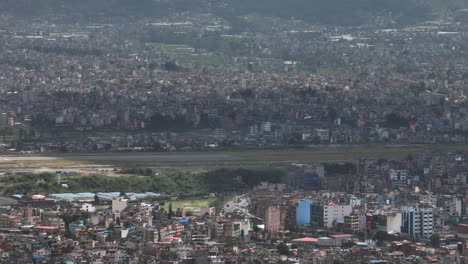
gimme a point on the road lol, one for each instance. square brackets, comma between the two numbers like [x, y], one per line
[239, 203]
[125, 157]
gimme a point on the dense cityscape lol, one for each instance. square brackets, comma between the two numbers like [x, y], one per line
[223, 132]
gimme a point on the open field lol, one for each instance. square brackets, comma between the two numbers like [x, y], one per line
[342, 153]
[127, 157]
[208, 160]
[189, 203]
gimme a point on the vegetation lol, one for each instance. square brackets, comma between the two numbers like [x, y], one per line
[227, 180]
[396, 121]
[381, 237]
[435, 240]
[176, 184]
[283, 249]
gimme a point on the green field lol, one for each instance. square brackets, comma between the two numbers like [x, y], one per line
[343, 153]
[198, 202]
[245, 158]
[204, 59]
[187, 54]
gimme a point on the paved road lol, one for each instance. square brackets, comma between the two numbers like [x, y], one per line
[125, 157]
[239, 203]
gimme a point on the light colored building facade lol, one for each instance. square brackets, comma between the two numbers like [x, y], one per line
[333, 213]
[417, 222]
[273, 220]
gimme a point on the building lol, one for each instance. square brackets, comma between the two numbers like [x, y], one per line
[366, 169]
[351, 222]
[398, 178]
[87, 207]
[119, 204]
[417, 221]
[273, 220]
[8, 221]
[303, 212]
[323, 134]
[333, 213]
[462, 234]
[453, 207]
[394, 222]
[3, 119]
[316, 214]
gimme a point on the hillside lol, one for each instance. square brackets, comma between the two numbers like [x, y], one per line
[344, 12]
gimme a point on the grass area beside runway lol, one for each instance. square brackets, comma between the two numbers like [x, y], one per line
[247, 158]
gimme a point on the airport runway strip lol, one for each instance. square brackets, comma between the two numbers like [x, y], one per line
[125, 157]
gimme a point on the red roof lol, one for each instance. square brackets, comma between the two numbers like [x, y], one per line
[342, 236]
[306, 239]
[47, 227]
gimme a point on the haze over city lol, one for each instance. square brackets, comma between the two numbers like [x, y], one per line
[233, 131]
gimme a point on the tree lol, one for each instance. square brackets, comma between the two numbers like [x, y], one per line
[283, 249]
[332, 113]
[170, 213]
[171, 66]
[111, 230]
[435, 240]
[97, 200]
[396, 121]
[381, 237]
[256, 229]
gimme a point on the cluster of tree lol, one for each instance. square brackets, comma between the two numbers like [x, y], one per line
[396, 121]
[335, 168]
[160, 123]
[417, 88]
[181, 184]
[27, 183]
[231, 180]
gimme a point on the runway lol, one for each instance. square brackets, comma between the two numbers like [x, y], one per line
[125, 157]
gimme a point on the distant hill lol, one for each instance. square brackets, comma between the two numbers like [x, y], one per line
[344, 12]
[106, 9]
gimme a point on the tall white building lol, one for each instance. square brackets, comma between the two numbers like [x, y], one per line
[333, 213]
[394, 222]
[417, 221]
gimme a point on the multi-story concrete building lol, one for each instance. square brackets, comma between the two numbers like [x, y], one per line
[351, 222]
[273, 219]
[417, 221]
[333, 213]
[303, 212]
[398, 178]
